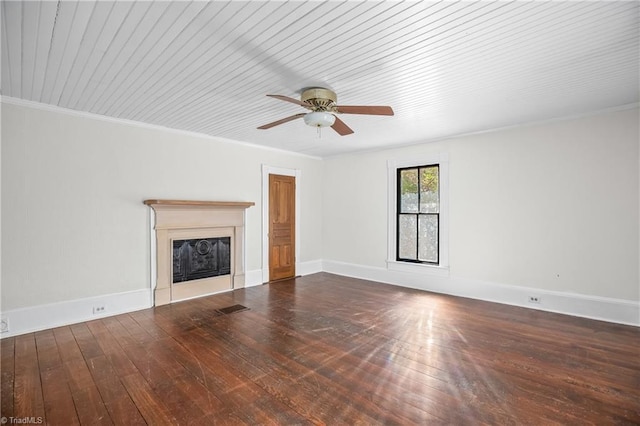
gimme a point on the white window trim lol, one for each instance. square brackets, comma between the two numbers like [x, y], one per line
[442, 269]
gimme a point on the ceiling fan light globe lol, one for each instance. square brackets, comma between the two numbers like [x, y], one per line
[319, 119]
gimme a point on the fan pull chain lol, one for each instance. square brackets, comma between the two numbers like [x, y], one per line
[319, 132]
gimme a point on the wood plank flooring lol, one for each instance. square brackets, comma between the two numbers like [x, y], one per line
[325, 349]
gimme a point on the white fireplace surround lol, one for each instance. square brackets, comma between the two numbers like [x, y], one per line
[184, 219]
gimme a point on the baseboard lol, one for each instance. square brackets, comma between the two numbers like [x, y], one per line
[308, 268]
[598, 308]
[253, 278]
[42, 317]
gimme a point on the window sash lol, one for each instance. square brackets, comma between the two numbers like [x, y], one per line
[401, 252]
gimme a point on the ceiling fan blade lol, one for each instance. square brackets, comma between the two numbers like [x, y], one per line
[341, 128]
[364, 109]
[282, 121]
[288, 99]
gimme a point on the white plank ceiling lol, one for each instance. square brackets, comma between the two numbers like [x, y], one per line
[446, 68]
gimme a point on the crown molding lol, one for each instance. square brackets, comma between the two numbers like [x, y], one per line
[523, 125]
[123, 121]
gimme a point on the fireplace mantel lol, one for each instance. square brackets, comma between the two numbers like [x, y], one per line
[192, 203]
[187, 219]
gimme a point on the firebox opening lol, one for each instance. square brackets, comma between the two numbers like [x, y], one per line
[195, 259]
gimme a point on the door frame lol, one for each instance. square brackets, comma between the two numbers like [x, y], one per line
[266, 171]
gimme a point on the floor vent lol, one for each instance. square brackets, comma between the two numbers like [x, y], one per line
[232, 309]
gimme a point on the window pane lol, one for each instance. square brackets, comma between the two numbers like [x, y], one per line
[429, 190]
[409, 191]
[407, 237]
[428, 244]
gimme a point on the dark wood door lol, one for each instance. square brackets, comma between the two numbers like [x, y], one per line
[282, 225]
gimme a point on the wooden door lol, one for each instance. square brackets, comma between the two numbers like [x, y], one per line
[282, 226]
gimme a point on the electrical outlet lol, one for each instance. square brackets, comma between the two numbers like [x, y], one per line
[99, 309]
[4, 325]
[534, 299]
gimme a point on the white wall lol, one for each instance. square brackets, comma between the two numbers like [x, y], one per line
[554, 207]
[73, 222]
[551, 208]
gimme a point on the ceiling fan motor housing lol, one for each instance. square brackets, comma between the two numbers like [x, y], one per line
[319, 98]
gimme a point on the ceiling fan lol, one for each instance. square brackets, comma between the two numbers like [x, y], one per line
[322, 103]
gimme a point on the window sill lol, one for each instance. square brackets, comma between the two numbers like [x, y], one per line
[418, 268]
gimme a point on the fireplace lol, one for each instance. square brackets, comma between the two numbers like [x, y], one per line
[197, 248]
[201, 258]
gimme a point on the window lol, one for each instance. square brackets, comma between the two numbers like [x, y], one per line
[418, 214]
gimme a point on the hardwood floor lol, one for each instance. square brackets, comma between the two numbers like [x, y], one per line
[325, 349]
